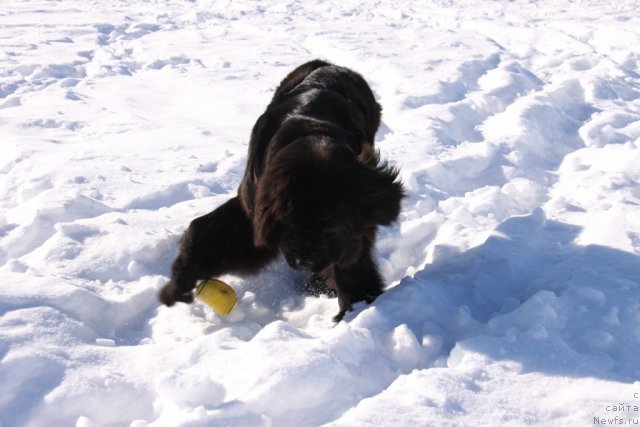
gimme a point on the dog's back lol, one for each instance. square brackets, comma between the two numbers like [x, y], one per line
[314, 96]
[324, 77]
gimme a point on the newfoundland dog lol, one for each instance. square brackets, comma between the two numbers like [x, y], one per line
[314, 190]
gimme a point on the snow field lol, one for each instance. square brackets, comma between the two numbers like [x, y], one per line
[513, 271]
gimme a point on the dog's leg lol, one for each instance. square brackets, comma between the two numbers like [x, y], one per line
[359, 282]
[218, 243]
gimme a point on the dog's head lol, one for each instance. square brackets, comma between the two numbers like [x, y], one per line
[316, 203]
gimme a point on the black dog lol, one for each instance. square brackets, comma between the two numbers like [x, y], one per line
[314, 190]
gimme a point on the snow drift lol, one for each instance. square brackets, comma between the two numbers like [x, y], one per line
[513, 272]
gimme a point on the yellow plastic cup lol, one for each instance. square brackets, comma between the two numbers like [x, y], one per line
[217, 295]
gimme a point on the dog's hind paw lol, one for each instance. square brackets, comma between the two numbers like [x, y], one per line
[338, 317]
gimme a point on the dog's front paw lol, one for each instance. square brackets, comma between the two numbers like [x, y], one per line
[170, 294]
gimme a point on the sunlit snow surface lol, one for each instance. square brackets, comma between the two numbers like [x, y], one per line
[513, 272]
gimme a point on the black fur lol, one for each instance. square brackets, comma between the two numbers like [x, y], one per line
[314, 190]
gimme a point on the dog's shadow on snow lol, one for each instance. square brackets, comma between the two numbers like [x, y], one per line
[530, 295]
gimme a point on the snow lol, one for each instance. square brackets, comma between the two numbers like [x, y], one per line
[513, 272]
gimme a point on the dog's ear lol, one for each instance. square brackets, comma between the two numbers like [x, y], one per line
[382, 194]
[269, 211]
[267, 232]
[267, 227]
[276, 192]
